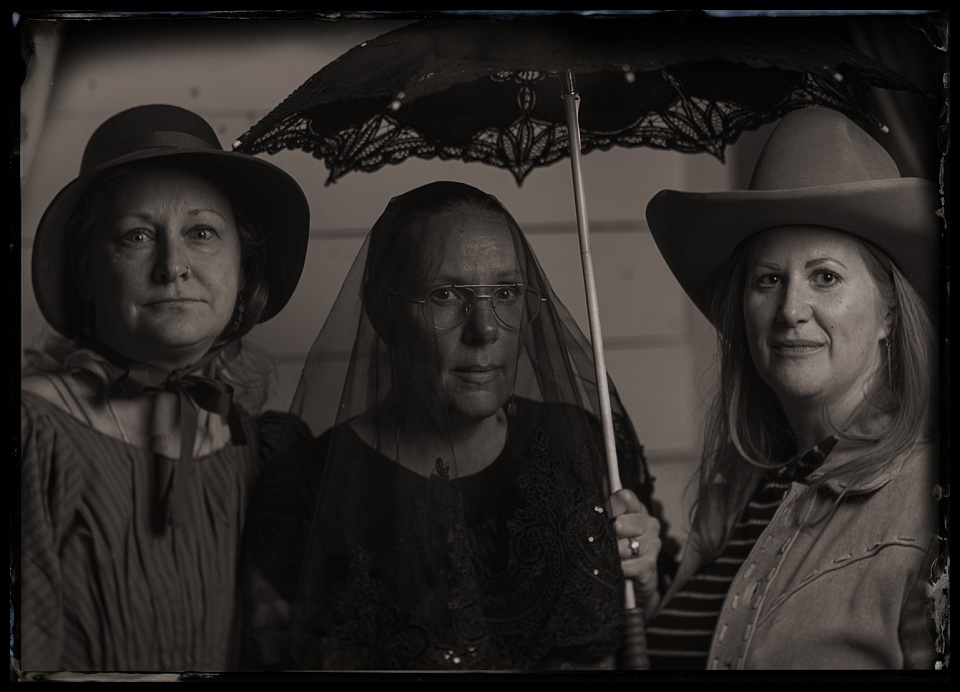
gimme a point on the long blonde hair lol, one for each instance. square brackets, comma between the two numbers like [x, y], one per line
[746, 430]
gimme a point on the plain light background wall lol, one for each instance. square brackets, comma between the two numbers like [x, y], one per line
[232, 72]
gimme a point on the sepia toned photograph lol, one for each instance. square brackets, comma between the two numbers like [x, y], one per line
[607, 345]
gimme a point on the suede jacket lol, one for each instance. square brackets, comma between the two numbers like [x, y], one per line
[847, 592]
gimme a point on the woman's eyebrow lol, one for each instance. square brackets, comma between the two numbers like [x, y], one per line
[148, 216]
[138, 215]
[511, 277]
[208, 210]
[822, 260]
[810, 263]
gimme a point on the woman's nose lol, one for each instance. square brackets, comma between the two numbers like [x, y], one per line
[794, 304]
[171, 261]
[482, 325]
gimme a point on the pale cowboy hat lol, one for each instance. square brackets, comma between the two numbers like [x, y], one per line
[152, 132]
[817, 168]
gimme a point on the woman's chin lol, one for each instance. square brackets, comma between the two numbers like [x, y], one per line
[169, 349]
[476, 406]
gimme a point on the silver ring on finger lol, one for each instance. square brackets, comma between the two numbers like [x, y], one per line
[634, 547]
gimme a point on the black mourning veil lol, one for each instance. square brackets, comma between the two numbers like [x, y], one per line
[406, 554]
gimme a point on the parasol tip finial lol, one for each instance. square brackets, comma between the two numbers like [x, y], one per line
[236, 144]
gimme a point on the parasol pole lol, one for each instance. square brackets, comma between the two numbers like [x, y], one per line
[635, 643]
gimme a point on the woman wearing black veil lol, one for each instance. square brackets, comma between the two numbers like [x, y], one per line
[453, 512]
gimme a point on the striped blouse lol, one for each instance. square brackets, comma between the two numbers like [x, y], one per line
[101, 588]
[679, 637]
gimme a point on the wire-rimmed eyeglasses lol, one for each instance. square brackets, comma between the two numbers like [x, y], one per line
[449, 306]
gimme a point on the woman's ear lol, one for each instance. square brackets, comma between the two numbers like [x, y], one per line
[889, 321]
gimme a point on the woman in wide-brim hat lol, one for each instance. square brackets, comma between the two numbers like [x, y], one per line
[815, 524]
[141, 432]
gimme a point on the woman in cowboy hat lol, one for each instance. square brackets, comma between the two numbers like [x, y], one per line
[139, 435]
[815, 524]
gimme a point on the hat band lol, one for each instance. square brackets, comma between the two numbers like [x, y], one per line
[180, 140]
[153, 140]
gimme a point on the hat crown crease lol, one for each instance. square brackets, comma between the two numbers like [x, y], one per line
[159, 139]
[147, 127]
[819, 149]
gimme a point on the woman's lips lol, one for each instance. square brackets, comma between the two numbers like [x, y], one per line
[477, 374]
[173, 301]
[799, 347]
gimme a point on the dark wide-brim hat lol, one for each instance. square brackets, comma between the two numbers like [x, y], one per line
[153, 132]
[818, 168]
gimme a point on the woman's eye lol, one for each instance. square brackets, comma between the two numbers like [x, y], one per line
[507, 294]
[444, 295]
[767, 280]
[826, 278]
[136, 236]
[202, 233]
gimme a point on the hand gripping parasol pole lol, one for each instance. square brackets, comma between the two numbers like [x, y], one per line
[635, 642]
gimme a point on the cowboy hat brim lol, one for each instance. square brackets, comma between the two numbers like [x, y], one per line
[281, 206]
[698, 233]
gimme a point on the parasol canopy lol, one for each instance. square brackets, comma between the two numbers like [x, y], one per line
[490, 91]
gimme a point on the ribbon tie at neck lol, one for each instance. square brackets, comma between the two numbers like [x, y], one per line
[193, 392]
